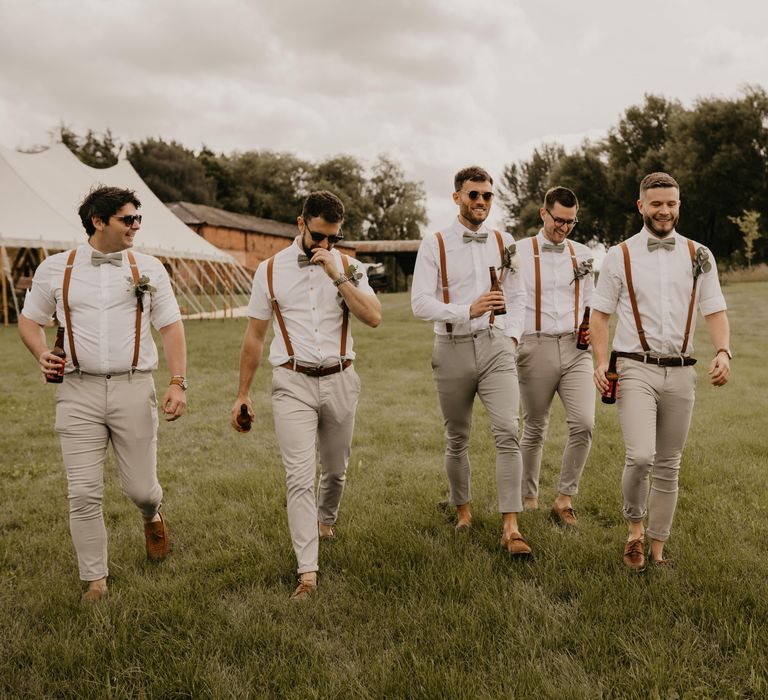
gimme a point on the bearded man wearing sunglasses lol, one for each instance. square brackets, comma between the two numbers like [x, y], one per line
[306, 291]
[106, 296]
[475, 342]
[558, 277]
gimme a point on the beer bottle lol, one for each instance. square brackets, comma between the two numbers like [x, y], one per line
[612, 376]
[581, 340]
[244, 418]
[58, 350]
[496, 287]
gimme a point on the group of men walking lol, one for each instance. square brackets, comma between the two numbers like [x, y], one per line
[505, 318]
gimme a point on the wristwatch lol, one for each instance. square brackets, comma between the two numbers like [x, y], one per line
[340, 280]
[727, 351]
[179, 380]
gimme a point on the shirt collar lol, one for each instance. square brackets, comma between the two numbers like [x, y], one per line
[459, 228]
[649, 235]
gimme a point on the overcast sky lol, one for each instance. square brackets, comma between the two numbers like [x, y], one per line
[438, 84]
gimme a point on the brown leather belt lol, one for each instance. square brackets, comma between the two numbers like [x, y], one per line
[317, 371]
[674, 361]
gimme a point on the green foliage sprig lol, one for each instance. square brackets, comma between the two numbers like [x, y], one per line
[141, 288]
[701, 262]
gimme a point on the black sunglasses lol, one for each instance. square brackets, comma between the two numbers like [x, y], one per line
[320, 237]
[128, 219]
[570, 223]
[474, 194]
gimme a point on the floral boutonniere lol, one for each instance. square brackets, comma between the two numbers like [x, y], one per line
[140, 289]
[701, 262]
[510, 260]
[583, 269]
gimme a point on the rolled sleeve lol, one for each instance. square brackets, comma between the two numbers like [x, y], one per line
[259, 306]
[40, 302]
[164, 309]
[711, 299]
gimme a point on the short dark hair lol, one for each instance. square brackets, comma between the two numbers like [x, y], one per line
[324, 204]
[658, 180]
[560, 195]
[473, 173]
[104, 202]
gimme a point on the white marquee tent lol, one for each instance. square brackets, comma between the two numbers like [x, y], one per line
[39, 197]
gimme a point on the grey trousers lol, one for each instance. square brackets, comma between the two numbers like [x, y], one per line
[90, 412]
[546, 365]
[655, 408]
[481, 364]
[313, 414]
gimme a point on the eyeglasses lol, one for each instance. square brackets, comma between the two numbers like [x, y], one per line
[474, 194]
[128, 219]
[333, 239]
[569, 223]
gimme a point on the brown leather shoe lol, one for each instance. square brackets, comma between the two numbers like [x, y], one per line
[93, 595]
[633, 558]
[157, 540]
[565, 517]
[515, 545]
[463, 527]
[326, 532]
[306, 589]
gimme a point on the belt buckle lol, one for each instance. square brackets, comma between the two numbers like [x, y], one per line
[315, 371]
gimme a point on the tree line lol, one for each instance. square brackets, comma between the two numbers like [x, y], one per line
[380, 204]
[717, 150]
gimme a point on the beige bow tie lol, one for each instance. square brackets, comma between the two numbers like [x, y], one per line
[480, 237]
[668, 243]
[303, 260]
[553, 247]
[98, 258]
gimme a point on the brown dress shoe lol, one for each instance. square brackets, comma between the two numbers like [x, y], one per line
[565, 517]
[634, 559]
[93, 595]
[157, 540]
[306, 589]
[515, 545]
[326, 531]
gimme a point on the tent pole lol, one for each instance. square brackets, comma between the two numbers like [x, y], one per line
[208, 279]
[200, 286]
[190, 298]
[5, 292]
[223, 284]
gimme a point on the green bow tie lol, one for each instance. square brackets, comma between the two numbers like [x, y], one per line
[668, 243]
[98, 258]
[476, 237]
[553, 247]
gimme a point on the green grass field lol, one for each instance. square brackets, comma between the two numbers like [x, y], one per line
[406, 609]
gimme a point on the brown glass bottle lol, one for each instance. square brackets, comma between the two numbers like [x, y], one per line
[496, 287]
[244, 418]
[58, 349]
[581, 339]
[609, 396]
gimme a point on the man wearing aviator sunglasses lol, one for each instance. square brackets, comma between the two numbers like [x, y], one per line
[474, 350]
[107, 393]
[305, 291]
[548, 360]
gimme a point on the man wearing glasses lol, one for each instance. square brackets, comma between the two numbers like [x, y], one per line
[654, 281]
[476, 331]
[308, 291]
[106, 296]
[559, 285]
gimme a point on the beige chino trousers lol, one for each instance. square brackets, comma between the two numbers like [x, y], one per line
[481, 364]
[547, 365]
[92, 411]
[313, 414]
[655, 408]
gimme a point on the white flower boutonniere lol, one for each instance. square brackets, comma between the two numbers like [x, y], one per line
[583, 269]
[510, 260]
[140, 289]
[701, 262]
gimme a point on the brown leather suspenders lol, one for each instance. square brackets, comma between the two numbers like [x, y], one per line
[444, 271]
[281, 322]
[633, 300]
[537, 278]
[68, 320]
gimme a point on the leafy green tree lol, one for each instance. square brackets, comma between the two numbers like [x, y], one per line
[749, 225]
[397, 205]
[93, 149]
[172, 171]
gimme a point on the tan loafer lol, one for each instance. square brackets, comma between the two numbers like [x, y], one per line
[326, 531]
[157, 541]
[564, 517]
[516, 546]
[93, 595]
[634, 558]
[306, 589]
